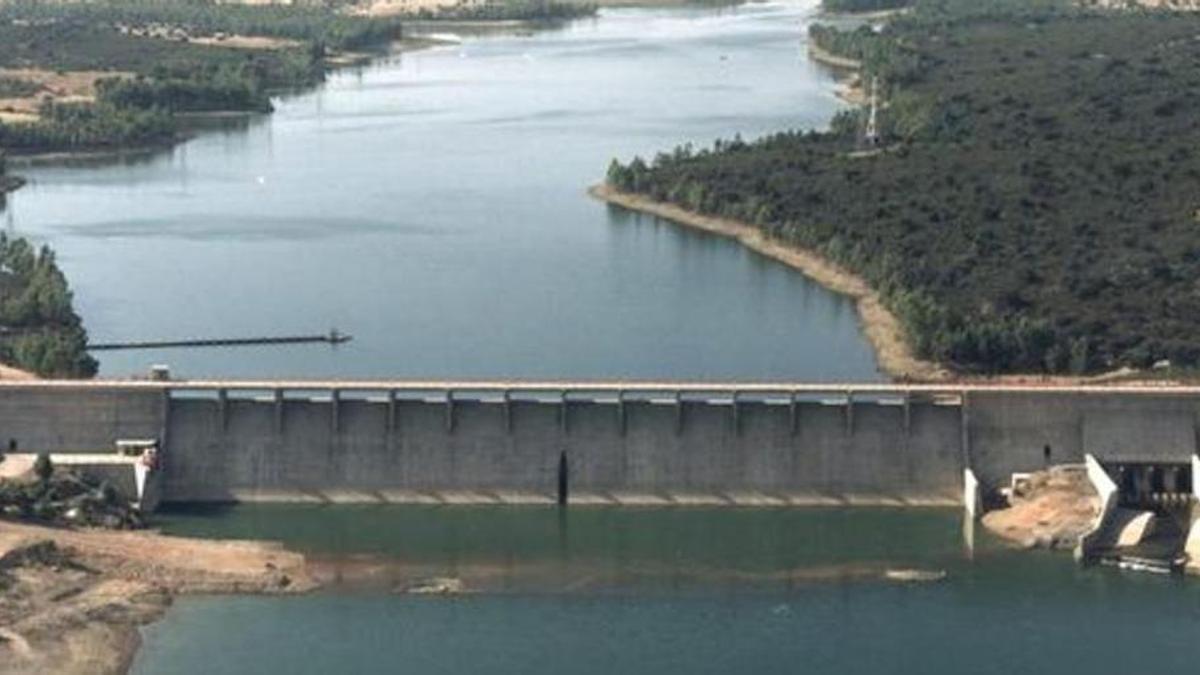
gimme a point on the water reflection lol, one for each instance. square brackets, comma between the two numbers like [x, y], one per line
[549, 549]
[434, 206]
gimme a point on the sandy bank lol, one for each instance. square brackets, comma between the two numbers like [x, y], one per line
[850, 87]
[882, 328]
[71, 601]
[13, 373]
[869, 15]
[382, 8]
[820, 55]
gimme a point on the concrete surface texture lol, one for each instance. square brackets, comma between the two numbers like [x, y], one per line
[605, 443]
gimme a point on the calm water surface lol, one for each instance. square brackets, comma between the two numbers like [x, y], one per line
[433, 205]
[675, 591]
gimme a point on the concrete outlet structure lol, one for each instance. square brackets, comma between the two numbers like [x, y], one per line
[598, 442]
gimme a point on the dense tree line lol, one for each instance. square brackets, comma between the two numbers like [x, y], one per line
[170, 76]
[73, 126]
[512, 10]
[1034, 207]
[203, 90]
[11, 87]
[304, 22]
[863, 5]
[8, 182]
[39, 329]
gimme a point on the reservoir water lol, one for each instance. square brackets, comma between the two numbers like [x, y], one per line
[433, 205]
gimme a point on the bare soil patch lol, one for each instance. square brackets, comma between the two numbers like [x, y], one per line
[61, 87]
[71, 601]
[1051, 509]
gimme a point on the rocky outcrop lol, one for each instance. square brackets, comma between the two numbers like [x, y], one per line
[66, 498]
[71, 600]
[1054, 508]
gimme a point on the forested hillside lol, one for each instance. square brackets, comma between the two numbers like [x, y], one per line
[863, 5]
[39, 329]
[164, 58]
[1033, 205]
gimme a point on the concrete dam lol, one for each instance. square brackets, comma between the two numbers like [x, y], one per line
[596, 442]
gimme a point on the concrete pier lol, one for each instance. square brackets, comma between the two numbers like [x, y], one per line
[597, 442]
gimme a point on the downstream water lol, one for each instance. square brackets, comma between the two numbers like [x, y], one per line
[680, 591]
[433, 205]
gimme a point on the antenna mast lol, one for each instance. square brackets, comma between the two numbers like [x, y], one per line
[871, 137]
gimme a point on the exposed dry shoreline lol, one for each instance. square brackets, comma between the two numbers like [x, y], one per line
[816, 53]
[882, 328]
[72, 601]
[850, 87]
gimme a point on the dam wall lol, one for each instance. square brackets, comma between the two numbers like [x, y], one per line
[484, 447]
[597, 443]
[82, 419]
[1023, 430]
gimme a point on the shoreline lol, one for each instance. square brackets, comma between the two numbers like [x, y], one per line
[332, 63]
[824, 57]
[882, 329]
[33, 159]
[865, 15]
[893, 352]
[75, 599]
[847, 72]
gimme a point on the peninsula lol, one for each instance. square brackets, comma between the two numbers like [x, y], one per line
[1013, 210]
[117, 75]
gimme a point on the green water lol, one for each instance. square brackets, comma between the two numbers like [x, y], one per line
[668, 591]
[718, 538]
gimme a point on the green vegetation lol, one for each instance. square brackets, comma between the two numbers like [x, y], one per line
[71, 126]
[858, 44]
[11, 87]
[306, 23]
[513, 10]
[168, 73]
[8, 182]
[204, 90]
[43, 467]
[863, 5]
[1034, 204]
[39, 329]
